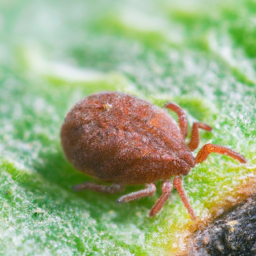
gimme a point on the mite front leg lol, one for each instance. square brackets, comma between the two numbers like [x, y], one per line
[183, 122]
[177, 182]
[211, 148]
[167, 189]
[114, 188]
[194, 141]
[148, 191]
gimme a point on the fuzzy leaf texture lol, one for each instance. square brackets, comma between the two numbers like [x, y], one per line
[198, 54]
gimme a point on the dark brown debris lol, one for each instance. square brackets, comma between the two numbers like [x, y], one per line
[231, 234]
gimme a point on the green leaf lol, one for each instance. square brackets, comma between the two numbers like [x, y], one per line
[200, 55]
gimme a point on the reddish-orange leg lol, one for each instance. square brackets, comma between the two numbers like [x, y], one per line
[211, 148]
[177, 182]
[114, 188]
[194, 141]
[148, 191]
[167, 189]
[183, 122]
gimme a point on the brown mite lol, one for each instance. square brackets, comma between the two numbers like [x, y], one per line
[120, 139]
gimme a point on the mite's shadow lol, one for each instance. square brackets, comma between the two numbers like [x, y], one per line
[55, 169]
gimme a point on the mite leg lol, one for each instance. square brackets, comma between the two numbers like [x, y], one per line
[114, 188]
[211, 148]
[167, 189]
[194, 141]
[177, 182]
[148, 191]
[183, 122]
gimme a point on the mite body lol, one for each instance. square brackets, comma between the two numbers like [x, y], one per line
[120, 139]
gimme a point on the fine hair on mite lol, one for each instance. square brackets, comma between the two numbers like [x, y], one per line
[124, 140]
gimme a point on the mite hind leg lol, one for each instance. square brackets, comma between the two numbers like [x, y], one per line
[178, 184]
[211, 148]
[167, 190]
[183, 121]
[194, 141]
[114, 188]
[148, 191]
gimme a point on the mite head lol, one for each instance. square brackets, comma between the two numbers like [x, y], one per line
[179, 162]
[182, 157]
[186, 162]
[188, 158]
